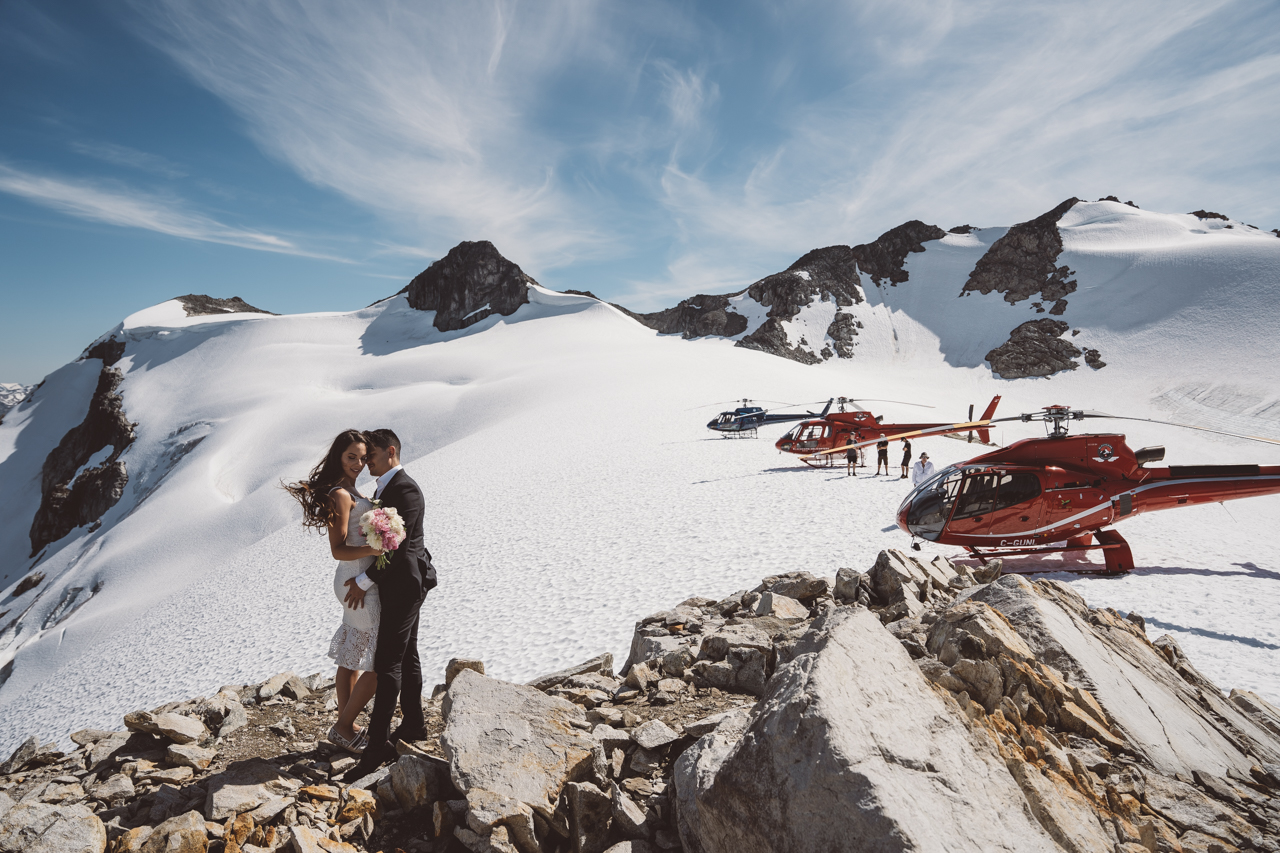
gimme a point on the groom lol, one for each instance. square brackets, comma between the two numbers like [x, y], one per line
[402, 584]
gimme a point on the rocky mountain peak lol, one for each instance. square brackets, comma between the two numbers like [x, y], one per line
[1025, 261]
[468, 284]
[200, 305]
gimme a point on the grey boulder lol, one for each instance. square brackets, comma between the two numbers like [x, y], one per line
[515, 741]
[851, 745]
[42, 828]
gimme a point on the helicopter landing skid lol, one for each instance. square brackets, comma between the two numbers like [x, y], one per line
[1115, 550]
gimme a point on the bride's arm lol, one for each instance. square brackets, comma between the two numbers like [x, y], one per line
[338, 546]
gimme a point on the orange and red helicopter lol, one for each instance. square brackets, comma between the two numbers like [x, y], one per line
[1062, 492]
[817, 441]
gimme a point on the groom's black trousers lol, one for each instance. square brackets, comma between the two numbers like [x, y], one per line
[398, 668]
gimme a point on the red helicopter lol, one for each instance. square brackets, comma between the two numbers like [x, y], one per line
[817, 441]
[1036, 493]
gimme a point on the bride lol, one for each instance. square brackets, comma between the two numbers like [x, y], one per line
[331, 503]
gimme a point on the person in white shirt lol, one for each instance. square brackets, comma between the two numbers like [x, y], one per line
[922, 470]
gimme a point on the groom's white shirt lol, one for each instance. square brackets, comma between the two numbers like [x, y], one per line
[362, 580]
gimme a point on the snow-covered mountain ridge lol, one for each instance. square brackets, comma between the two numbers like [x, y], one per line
[148, 547]
[1100, 268]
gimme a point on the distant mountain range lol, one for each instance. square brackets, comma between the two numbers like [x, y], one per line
[1078, 269]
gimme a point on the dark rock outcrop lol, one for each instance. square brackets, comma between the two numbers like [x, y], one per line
[1025, 261]
[830, 273]
[199, 305]
[695, 317]
[1208, 214]
[471, 282]
[884, 258]
[109, 350]
[1035, 348]
[64, 504]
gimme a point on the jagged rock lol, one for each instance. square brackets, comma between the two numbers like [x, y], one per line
[27, 584]
[1025, 261]
[468, 284]
[107, 748]
[1035, 348]
[650, 644]
[981, 623]
[1172, 724]
[86, 737]
[42, 828]
[415, 781]
[358, 803]
[1063, 812]
[274, 685]
[176, 727]
[1189, 809]
[628, 818]
[65, 505]
[199, 305]
[825, 735]
[896, 577]
[828, 274]
[486, 811]
[21, 756]
[113, 790]
[1262, 711]
[590, 814]
[675, 663]
[457, 665]
[696, 317]
[223, 713]
[515, 741]
[244, 786]
[776, 604]
[746, 636]
[182, 834]
[852, 587]
[654, 734]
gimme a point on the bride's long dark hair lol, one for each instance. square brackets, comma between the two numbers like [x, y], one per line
[313, 492]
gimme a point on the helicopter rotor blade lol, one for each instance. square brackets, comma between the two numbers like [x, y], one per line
[1260, 438]
[878, 400]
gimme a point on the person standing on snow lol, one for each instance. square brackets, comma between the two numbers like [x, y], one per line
[922, 470]
[882, 455]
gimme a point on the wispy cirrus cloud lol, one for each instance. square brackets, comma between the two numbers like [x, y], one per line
[132, 158]
[727, 142]
[426, 115]
[122, 206]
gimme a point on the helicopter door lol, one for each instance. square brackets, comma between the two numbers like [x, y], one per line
[974, 504]
[1016, 511]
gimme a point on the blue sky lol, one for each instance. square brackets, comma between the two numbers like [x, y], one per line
[309, 156]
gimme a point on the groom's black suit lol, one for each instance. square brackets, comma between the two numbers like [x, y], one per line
[402, 585]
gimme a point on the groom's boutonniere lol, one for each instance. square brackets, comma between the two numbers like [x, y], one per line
[377, 503]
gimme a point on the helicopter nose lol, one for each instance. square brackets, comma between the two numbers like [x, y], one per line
[902, 517]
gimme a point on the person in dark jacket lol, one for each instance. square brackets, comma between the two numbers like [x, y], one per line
[906, 457]
[882, 455]
[403, 584]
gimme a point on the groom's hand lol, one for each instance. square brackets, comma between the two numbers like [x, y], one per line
[355, 595]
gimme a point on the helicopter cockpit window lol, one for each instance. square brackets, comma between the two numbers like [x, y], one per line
[726, 418]
[1017, 488]
[813, 433]
[978, 495]
[929, 506]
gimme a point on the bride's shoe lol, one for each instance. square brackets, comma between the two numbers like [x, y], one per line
[355, 745]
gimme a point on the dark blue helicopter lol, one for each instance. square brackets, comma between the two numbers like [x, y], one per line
[743, 421]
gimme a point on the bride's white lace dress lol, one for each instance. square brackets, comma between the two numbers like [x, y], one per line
[357, 637]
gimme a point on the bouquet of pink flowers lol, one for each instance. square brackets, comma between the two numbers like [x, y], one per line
[383, 531]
